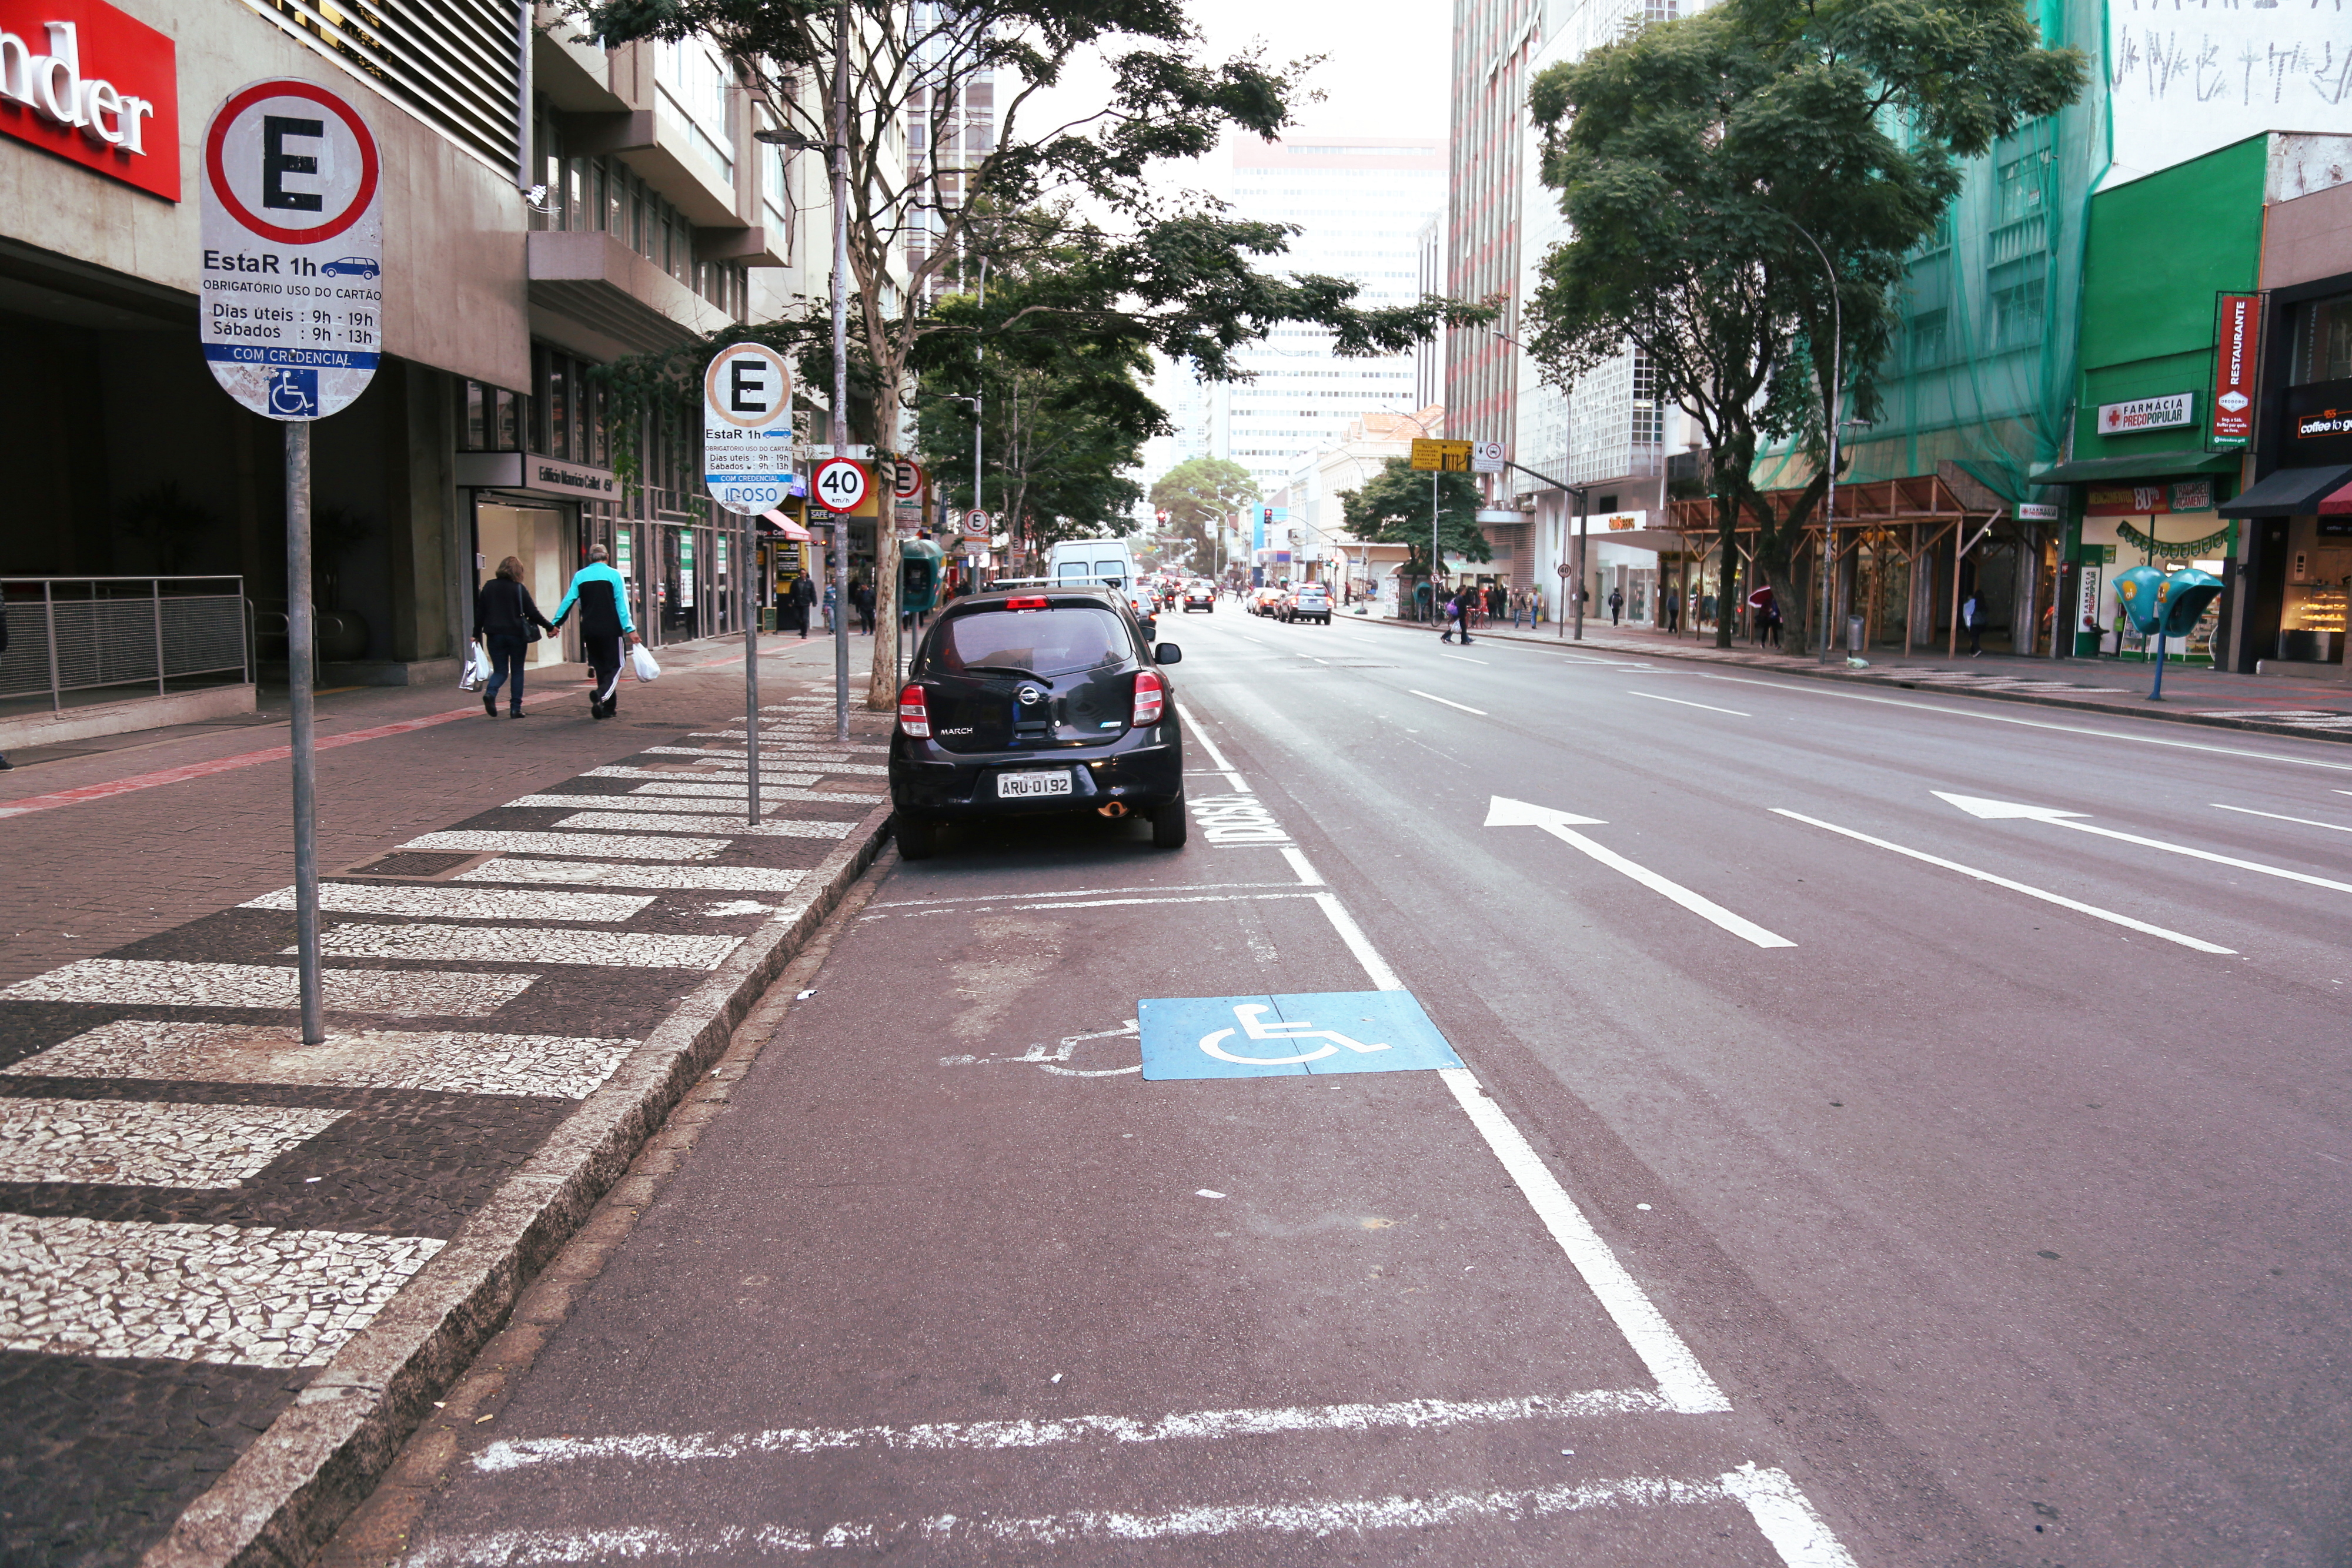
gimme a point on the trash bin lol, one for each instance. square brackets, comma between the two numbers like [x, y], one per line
[1853, 633]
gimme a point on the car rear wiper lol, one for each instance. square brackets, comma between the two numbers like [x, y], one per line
[1007, 669]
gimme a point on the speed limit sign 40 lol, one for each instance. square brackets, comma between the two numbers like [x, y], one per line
[840, 484]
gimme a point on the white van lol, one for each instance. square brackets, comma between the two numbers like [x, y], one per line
[1086, 561]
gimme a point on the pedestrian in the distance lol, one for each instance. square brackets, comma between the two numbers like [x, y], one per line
[1674, 603]
[831, 604]
[507, 624]
[1616, 605]
[861, 597]
[803, 596]
[603, 601]
[1972, 617]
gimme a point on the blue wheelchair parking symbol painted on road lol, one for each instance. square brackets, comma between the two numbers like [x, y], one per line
[1280, 1037]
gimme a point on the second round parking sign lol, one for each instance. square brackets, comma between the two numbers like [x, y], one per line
[292, 290]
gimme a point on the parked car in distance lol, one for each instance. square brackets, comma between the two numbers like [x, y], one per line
[1262, 601]
[1036, 702]
[1200, 594]
[1308, 602]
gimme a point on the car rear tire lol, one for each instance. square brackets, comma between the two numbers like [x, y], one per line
[1170, 824]
[918, 838]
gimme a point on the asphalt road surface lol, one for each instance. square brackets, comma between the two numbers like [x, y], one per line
[1888, 1130]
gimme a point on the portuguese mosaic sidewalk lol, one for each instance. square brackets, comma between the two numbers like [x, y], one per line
[234, 1270]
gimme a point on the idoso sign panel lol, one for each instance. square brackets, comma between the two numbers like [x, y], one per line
[94, 86]
[292, 290]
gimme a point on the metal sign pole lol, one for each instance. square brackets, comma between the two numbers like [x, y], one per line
[1577, 594]
[300, 644]
[840, 411]
[751, 600]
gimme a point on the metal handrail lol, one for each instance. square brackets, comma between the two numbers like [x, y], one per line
[106, 654]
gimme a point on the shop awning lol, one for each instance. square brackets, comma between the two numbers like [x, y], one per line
[783, 525]
[2290, 492]
[2143, 465]
[2336, 503]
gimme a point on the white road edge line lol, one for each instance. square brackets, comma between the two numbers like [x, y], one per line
[1680, 703]
[2273, 816]
[509, 1455]
[1449, 701]
[2093, 911]
[1383, 978]
[1771, 1497]
[1681, 1379]
[2035, 724]
[1307, 874]
[1201, 735]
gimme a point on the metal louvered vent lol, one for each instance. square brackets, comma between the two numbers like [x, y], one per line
[450, 62]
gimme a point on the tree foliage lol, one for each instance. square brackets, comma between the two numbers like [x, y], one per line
[1392, 506]
[1189, 278]
[1197, 493]
[1694, 158]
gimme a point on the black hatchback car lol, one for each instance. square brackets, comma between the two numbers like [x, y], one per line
[1036, 701]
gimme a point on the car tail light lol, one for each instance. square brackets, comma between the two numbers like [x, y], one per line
[914, 714]
[1150, 696]
[1039, 602]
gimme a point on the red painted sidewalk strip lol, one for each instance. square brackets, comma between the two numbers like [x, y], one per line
[225, 764]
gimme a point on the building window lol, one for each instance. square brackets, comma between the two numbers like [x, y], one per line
[2017, 293]
[1928, 330]
[2323, 341]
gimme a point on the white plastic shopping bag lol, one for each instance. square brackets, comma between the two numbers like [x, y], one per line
[642, 665]
[477, 669]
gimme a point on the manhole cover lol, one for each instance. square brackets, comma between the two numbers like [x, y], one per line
[415, 866]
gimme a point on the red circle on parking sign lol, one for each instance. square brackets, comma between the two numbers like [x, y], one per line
[371, 166]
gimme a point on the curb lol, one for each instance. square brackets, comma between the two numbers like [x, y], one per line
[2032, 699]
[283, 1498]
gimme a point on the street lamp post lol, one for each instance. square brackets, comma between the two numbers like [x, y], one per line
[1832, 396]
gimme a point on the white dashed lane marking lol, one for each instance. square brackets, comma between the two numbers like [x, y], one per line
[239, 1295]
[670, 878]
[447, 903]
[528, 944]
[137, 1143]
[550, 1066]
[169, 983]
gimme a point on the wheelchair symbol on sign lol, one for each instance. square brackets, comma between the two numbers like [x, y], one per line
[1249, 1015]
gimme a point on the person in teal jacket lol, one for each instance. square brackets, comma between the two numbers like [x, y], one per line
[603, 597]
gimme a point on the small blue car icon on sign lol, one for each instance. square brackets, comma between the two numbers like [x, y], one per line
[352, 267]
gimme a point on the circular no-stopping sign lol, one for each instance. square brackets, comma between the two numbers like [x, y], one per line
[291, 272]
[840, 484]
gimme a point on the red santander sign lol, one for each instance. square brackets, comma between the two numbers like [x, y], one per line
[94, 86]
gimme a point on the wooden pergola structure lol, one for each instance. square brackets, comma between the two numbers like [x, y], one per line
[1878, 520]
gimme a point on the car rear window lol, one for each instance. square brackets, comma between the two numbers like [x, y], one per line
[1048, 643]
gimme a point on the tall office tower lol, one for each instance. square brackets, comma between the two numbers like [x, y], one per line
[1494, 41]
[947, 135]
[1360, 204]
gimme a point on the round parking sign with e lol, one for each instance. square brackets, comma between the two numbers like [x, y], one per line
[840, 484]
[910, 479]
[292, 291]
[747, 428]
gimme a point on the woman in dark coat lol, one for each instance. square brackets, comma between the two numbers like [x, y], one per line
[508, 622]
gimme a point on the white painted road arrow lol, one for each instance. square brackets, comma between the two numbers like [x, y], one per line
[1997, 810]
[1504, 812]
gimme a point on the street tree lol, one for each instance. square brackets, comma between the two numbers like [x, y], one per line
[1393, 506]
[1700, 161]
[1192, 284]
[1198, 495]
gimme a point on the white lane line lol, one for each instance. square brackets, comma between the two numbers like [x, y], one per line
[235, 1295]
[2273, 816]
[446, 903]
[1771, 1498]
[1073, 892]
[1300, 864]
[164, 982]
[2093, 910]
[1824, 691]
[544, 945]
[1200, 733]
[510, 1454]
[1383, 978]
[612, 846]
[1466, 659]
[1505, 812]
[1999, 809]
[550, 1066]
[655, 822]
[1681, 1379]
[1680, 703]
[1449, 701]
[606, 874]
[139, 1143]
